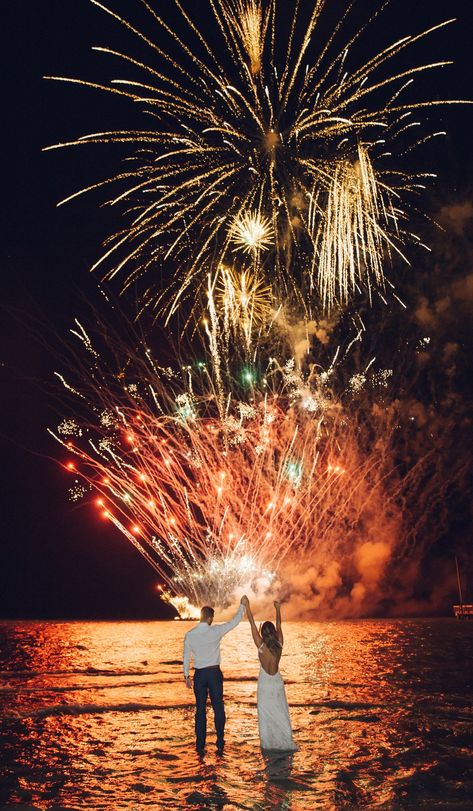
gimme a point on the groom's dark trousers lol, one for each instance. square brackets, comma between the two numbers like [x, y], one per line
[208, 681]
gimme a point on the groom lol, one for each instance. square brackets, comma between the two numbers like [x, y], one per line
[203, 643]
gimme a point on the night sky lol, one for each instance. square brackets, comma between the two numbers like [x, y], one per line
[57, 559]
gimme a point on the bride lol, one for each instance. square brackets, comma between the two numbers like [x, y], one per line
[274, 724]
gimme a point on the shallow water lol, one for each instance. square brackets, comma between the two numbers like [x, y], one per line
[96, 715]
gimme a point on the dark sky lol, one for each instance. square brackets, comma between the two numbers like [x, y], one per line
[56, 560]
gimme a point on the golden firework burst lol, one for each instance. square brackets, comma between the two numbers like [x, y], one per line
[250, 116]
[244, 300]
[351, 230]
[251, 233]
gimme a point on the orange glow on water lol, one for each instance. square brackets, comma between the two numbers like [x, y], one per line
[353, 695]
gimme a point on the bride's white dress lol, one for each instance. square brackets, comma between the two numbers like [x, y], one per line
[274, 723]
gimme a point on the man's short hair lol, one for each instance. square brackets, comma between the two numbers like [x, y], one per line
[206, 613]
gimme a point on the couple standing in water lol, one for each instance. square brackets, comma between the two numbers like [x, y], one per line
[203, 644]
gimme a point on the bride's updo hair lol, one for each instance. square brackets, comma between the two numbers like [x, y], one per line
[270, 639]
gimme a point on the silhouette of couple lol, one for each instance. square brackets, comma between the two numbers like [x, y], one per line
[203, 644]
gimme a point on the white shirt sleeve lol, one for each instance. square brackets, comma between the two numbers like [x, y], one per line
[225, 627]
[186, 657]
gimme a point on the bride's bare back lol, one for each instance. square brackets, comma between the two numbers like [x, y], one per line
[269, 651]
[268, 660]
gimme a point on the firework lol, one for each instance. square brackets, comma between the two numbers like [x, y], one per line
[269, 182]
[270, 147]
[355, 231]
[251, 233]
[243, 302]
[217, 500]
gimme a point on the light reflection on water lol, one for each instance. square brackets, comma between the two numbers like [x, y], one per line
[97, 716]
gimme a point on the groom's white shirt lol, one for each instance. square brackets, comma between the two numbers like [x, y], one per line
[203, 642]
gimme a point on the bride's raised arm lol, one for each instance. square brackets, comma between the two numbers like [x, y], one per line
[254, 631]
[279, 635]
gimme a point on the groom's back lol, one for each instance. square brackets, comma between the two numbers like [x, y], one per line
[204, 643]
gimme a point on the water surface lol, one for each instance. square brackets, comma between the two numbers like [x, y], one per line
[96, 715]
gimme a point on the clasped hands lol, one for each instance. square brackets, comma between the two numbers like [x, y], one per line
[245, 601]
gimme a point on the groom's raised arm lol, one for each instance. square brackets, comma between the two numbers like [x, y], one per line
[225, 627]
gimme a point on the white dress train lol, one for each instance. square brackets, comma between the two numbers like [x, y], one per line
[274, 723]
